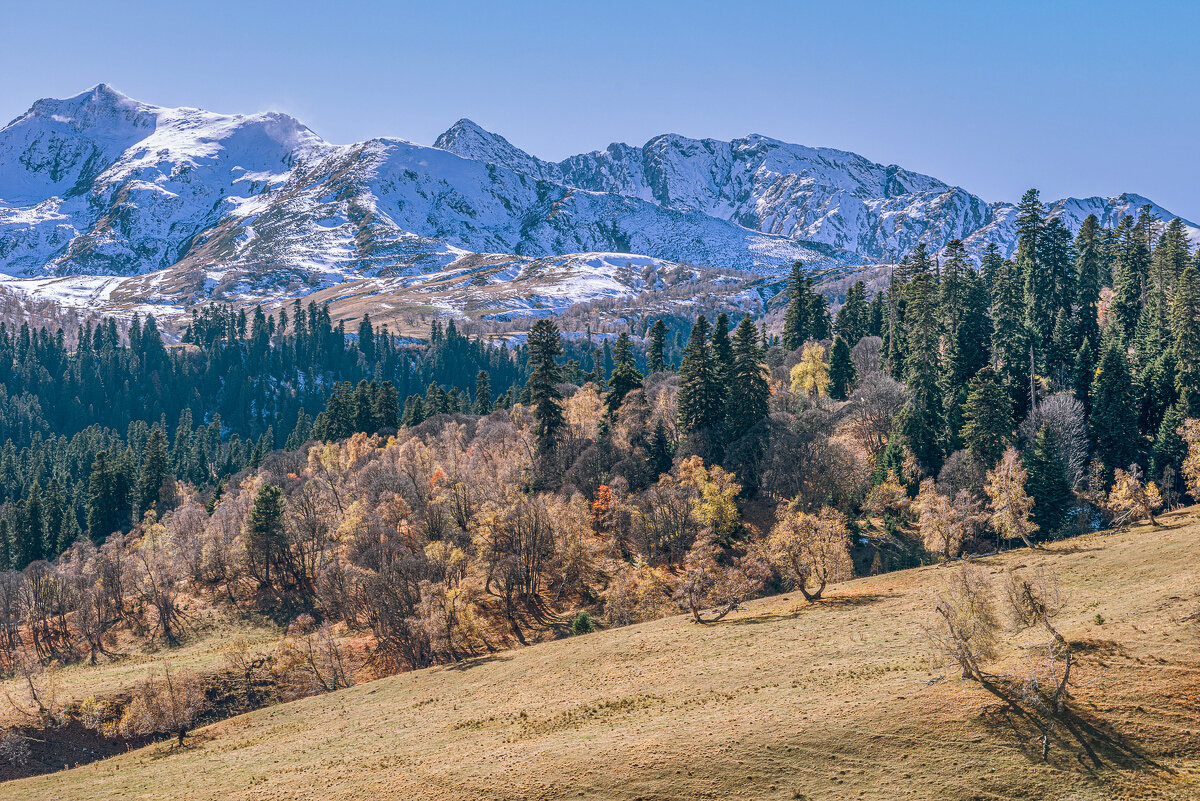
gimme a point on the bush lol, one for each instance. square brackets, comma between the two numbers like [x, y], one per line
[582, 624]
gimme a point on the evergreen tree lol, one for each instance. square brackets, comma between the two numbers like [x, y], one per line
[876, 315]
[987, 418]
[1113, 418]
[483, 393]
[301, 432]
[1185, 330]
[545, 346]
[366, 339]
[264, 533]
[796, 322]
[990, 265]
[1047, 485]
[722, 347]
[152, 485]
[1010, 353]
[660, 451]
[701, 400]
[1169, 447]
[107, 498]
[1129, 275]
[853, 318]
[625, 376]
[749, 392]
[385, 407]
[841, 370]
[1089, 267]
[1084, 370]
[658, 347]
[920, 420]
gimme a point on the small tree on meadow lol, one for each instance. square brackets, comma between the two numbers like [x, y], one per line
[707, 584]
[1132, 499]
[809, 550]
[166, 704]
[966, 631]
[1009, 503]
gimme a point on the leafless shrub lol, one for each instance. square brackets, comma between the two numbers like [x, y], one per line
[164, 704]
[707, 584]
[1065, 417]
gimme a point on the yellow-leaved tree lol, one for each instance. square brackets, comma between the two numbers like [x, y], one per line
[1009, 503]
[810, 377]
[809, 550]
[1131, 499]
[1190, 431]
[715, 504]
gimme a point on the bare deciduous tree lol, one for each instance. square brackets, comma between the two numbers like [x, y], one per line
[707, 584]
[873, 408]
[1067, 421]
[164, 704]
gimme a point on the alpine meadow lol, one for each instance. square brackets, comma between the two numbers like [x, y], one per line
[718, 467]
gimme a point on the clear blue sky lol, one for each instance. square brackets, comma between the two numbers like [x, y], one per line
[1076, 98]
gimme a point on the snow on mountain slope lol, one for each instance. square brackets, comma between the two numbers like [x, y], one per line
[101, 184]
[194, 205]
[821, 195]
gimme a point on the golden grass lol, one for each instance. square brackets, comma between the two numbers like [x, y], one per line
[202, 649]
[782, 700]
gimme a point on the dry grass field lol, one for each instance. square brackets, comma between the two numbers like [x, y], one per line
[783, 700]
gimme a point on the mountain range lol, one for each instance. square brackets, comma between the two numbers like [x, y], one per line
[104, 199]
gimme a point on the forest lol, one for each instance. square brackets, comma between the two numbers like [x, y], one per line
[450, 497]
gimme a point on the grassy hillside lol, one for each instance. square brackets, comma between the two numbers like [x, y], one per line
[782, 700]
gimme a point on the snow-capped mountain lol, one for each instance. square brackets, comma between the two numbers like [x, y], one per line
[841, 199]
[192, 205]
[102, 184]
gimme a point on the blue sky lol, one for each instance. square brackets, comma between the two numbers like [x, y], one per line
[1074, 98]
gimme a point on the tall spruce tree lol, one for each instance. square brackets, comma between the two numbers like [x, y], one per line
[796, 321]
[1129, 275]
[920, 420]
[545, 346]
[625, 376]
[657, 354]
[483, 393]
[852, 318]
[1113, 418]
[841, 370]
[749, 392]
[1010, 353]
[701, 400]
[987, 418]
[1089, 273]
[1185, 330]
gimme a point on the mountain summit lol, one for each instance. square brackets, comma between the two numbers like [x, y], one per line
[258, 205]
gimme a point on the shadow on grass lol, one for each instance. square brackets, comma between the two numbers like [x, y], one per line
[1076, 738]
[1095, 647]
[474, 662]
[834, 602]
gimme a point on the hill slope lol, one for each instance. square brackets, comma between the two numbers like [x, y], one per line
[781, 700]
